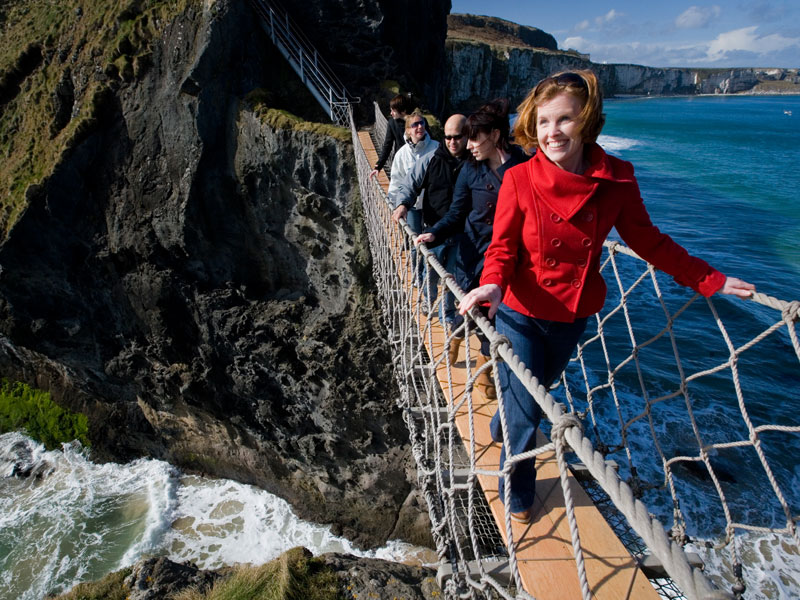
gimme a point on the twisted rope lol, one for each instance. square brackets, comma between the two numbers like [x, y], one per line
[435, 441]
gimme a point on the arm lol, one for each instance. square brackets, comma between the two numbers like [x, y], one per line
[388, 142]
[501, 257]
[500, 260]
[637, 230]
[412, 184]
[453, 220]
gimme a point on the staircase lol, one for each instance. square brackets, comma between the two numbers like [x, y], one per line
[305, 60]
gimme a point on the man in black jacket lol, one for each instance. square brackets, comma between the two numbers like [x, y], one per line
[395, 130]
[435, 182]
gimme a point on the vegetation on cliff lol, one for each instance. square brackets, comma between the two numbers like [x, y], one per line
[32, 410]
[58, 61]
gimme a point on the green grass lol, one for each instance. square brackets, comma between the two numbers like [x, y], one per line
[258, 100]
[292, 576]
[32, 410]
[109, 587]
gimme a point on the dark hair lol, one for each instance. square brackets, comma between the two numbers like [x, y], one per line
[401, 103]
[490, 116]
[580, 84]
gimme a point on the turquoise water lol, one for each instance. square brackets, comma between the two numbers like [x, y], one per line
[720, 175]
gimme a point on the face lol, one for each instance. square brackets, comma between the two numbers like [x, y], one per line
[557, 130]
[396, 114]
[454, 139]
[483, 145]
[416, 131]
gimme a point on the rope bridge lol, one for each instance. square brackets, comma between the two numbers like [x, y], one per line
[611, 393]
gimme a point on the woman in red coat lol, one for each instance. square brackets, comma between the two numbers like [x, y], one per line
[553, 214]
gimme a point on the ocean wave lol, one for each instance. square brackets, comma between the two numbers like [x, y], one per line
[68, 520]
[614, 144]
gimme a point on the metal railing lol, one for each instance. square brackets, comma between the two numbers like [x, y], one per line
[301, 54]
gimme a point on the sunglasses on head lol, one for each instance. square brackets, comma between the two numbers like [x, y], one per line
[565, 80]
[454, 137]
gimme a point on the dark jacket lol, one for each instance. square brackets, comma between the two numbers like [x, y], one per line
[395, 138]
[471, 215]
[436, 181]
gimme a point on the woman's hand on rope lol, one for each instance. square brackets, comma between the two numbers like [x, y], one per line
[736, 287]
[399, 213]
[424, 238]
[490, 293]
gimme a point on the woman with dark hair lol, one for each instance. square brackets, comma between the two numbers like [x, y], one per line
[553, 215]
[471, 213]
[399, 109]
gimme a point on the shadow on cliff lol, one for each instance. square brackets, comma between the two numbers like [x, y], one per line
[198, 283]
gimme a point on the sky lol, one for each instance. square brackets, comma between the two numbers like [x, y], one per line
[725, 33]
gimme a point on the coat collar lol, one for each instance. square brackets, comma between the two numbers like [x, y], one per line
[566, 193]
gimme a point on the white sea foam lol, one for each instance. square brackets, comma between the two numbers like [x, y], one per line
[223, 522]
[64, 519]
[613, 144]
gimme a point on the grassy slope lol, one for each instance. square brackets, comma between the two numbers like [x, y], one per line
[102, 41]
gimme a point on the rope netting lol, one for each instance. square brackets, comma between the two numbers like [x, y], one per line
[642, 390]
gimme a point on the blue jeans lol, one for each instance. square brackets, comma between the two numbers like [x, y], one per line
[446, 254]
[545, 347]
[414, 220]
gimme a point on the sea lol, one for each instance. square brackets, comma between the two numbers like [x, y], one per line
[720, 174]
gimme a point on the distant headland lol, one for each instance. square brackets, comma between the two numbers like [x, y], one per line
[489, 57]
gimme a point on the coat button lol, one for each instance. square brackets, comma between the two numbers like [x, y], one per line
[488, 221]
[551, 262]
[557, 242]
[555, 218]
[588, 217]
[586, 242]
[576, 283]
[489, 186]
[547, 282]
[581, 262]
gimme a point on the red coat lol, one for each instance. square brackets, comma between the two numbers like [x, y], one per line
[549, 230]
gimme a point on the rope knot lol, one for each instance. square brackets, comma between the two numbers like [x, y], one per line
[560, 426]
[494, 346]
[792, 311]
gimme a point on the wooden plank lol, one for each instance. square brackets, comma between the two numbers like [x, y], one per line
[543, 548]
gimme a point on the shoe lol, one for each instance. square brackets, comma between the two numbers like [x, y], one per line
[452, 351]
[485, 378]
[524, 516]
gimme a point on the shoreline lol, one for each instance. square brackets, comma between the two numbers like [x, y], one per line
[736, 95]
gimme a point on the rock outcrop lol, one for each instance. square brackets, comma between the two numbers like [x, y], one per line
[499, 60]
[194, 276]
[294, 574]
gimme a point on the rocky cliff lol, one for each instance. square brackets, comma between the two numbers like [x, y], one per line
[190, 270]
[499, 60]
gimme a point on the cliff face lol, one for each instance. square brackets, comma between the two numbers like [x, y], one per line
[498, 61]
[377, 40]
[194, 276]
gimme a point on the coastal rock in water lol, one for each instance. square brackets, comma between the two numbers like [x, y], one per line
[195, 278]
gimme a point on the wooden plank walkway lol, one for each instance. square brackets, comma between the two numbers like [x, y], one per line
[544, 547]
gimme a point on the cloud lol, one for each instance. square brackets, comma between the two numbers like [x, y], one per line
[747, 40]
[697, 17]
[583, 25]
[607, 18]
[738, 48]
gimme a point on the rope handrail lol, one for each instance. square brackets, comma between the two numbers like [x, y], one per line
[437, 450]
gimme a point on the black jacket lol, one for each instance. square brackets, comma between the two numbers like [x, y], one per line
[438, 183]
[395, 137]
